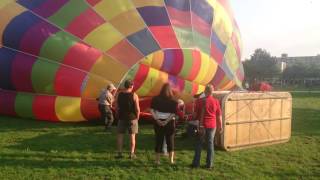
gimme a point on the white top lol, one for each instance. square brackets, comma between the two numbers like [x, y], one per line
[160, 115]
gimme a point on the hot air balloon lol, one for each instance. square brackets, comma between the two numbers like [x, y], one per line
[56, 56]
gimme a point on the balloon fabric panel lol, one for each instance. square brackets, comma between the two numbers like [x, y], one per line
[44, 108]
[6, 60]
[217, 48]
[7, 103]
[67, 13]
[46, 9]
[21, 72]
[96, 39]
[35, 37]
[17, 27]
[144, 41]
[23, 105]
[83, 24]
[127, 19]
[43, 75]
[187, 65]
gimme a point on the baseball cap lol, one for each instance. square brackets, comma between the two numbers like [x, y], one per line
[111, 87]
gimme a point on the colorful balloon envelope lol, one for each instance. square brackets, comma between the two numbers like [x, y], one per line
[56, 56]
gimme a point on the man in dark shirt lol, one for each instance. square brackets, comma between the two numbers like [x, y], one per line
[128, 111]
[208, 112]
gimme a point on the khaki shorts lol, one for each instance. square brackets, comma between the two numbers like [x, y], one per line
[128, 125]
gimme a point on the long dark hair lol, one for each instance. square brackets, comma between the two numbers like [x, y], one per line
[166, 91]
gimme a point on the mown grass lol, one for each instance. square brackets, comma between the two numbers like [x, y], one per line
[31, 149]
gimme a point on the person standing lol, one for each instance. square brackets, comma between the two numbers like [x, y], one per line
[208, 112]
[128, 110]
[106, 100]
[164, 109]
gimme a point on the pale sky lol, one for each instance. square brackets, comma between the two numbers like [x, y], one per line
[279, 26]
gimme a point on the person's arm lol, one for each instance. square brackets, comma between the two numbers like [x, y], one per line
[116, 106]
[137, 106]
[180, 112]
[219, 117]
[109, 98]
[155, 117]
[200, 112]
[172, 115]
[196, 110]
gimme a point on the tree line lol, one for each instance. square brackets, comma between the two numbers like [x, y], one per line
[262, 65]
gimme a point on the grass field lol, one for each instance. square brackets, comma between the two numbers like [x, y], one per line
[31, 149]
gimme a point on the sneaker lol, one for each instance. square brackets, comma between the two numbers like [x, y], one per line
[165, 154]
[193, 166]
[119, 156]
[209, 167]
[132, 156]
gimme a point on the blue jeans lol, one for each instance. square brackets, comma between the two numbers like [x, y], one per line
[208, 137]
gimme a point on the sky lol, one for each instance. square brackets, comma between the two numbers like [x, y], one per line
[279, 26]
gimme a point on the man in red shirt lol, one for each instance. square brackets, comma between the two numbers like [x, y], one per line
[208, 112]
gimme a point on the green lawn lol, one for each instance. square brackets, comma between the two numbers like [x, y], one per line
[31, 149]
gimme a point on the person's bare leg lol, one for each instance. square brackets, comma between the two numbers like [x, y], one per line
[157, 161]
[133, 143]
[119, 143]
[171, 157]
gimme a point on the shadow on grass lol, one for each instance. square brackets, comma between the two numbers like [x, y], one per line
[47, 161]
[82, 141]
[18, 124]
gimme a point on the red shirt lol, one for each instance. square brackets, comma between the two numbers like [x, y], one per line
[212, 110]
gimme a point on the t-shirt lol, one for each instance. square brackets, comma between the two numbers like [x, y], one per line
[211, 111]
[106, 98]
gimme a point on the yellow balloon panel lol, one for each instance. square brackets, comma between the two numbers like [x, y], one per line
[110, 9]
[128, 22]
[231, 57]
[200, 89]
[148, 84]
[147, 60]
[203, 69]
[212, 3]
[143, 3]
[8, 11]
[104, 37]
[68, 109]
[4, 3]
[222, 24]
[162, 78]
[211, 71]
[92, 86]
[157, 59]
[109, 69]
[228, 85]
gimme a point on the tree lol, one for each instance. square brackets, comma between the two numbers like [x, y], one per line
[301, 71]
[261, 65]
